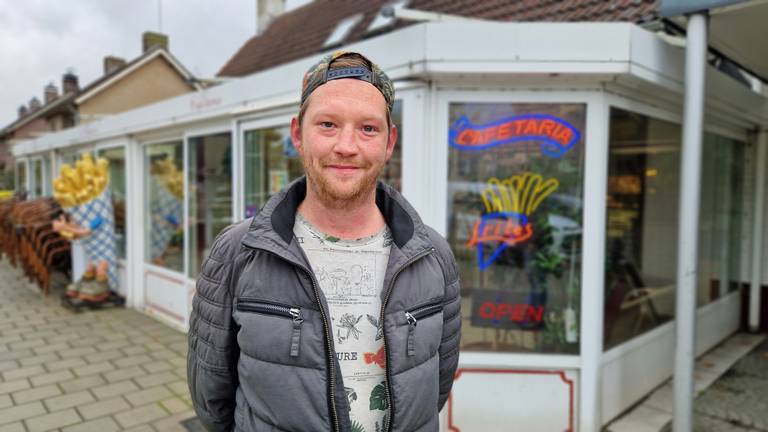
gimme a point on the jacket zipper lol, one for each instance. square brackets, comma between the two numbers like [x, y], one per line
[280, 310]
[391, 411]
[331, 369]
[413, 316]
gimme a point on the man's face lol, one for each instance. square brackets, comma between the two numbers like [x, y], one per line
[343, 140]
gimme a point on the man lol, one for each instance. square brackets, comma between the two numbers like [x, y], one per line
[334, 308]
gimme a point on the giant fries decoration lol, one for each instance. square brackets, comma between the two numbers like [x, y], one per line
[81, 184]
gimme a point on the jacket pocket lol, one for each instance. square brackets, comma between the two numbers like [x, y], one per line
[412, 316]
[278, 310]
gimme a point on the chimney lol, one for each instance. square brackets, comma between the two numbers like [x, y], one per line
[69, 83]
[150, 40]
[112, 63]
[266, 12]
[23, 111]
[34, 105]
[51, 93]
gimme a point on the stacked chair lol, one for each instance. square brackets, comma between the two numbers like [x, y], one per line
[29, 240]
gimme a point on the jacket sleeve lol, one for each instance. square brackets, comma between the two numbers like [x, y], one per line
[450, 343]
[213, 350]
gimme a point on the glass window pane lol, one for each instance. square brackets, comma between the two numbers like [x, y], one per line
[514, 223]
[164, 205]
[37, 178]
[271, 162]
[116, 158]
[47, 182]
[392, 172]
[21, 176]
[642, 218]
[722, 188]
[210, 193]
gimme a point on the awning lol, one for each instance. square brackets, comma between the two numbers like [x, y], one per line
[737, 29]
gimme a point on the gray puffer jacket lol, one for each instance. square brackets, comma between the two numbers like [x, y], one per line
[260, 356]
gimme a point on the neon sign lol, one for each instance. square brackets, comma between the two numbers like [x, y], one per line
[557, 136]
[508, 204]
[504, 309]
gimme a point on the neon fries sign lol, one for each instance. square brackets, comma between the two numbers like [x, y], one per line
[508, 205]
[557, 136]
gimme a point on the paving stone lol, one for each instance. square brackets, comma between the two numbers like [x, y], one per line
[142, 428]
[133, 350]
[156, 378]
[118, 388]
[10, 339]
[64, 364]
[103, 424]
[133, 360]
[37, 393]
[86, 342]
[92, 369]
[54, 347]
[104, 356]
[77, 352]
[12, 386]
[53, 421]
[51, 377]
[122, 374]
[69, 400]
[149, 395]
[163, 354]
[174, 405]
[104, 407]
[109, 346]
[179, 387]
[23, 372]
[39, 359]
[141, 415]
[83, 383]
[158, 366]
[14, 427]
[8, 365]
[26, 344]
[173, 424]
[21, 412]
[5, 401]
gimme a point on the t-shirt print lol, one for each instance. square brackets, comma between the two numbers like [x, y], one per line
[351, 276]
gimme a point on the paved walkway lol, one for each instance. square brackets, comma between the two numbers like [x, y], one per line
[738, 401]
[105, 370]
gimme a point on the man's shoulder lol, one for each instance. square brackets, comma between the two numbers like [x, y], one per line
[229, 241]
[444, 253]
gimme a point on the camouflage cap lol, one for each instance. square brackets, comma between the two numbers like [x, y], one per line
[322, 72]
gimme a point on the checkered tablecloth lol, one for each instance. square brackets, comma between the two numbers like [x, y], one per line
[99, 216]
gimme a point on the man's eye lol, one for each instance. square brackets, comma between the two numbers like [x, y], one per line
[369, 129]
[326, 124]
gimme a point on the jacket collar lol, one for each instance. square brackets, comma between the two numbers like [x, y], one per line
[272, 227]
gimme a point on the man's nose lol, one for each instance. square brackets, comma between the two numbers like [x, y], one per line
[346, 145]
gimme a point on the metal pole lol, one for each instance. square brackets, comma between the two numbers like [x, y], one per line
[757, 238]
[687, 252]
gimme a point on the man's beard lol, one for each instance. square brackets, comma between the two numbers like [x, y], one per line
[332, 196]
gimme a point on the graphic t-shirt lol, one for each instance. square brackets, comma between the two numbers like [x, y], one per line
[351, 276]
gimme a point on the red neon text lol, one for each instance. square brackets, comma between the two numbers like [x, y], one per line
[514, 312]
[515, 128]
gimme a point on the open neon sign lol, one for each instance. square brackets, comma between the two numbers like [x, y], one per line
[557, 136]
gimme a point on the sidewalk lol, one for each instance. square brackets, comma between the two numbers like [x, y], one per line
[738, 401]
[105, 370]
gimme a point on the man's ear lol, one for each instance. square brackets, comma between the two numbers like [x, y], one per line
[296, 134]
[392, 141]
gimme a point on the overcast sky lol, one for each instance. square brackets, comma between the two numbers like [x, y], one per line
[41, 39]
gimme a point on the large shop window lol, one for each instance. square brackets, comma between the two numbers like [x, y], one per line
[164, 205]
[116, 158]
[642, 217]
[21, 176]
[514, 223]
[210, 193]
[271, 162]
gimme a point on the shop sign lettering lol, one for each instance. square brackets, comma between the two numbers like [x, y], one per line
[557, 136]
[505, 309]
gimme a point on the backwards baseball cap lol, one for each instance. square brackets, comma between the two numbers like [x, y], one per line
[322, 72]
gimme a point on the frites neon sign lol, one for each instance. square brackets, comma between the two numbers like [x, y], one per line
[557, 136]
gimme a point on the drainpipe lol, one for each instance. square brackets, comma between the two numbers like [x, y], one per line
[687, 252]
[757, 238]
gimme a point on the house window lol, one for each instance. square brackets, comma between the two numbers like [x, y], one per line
[37, 178]
[515, 174]
[164, 205]
[21, 176]
[116, 158]
[209, 179]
